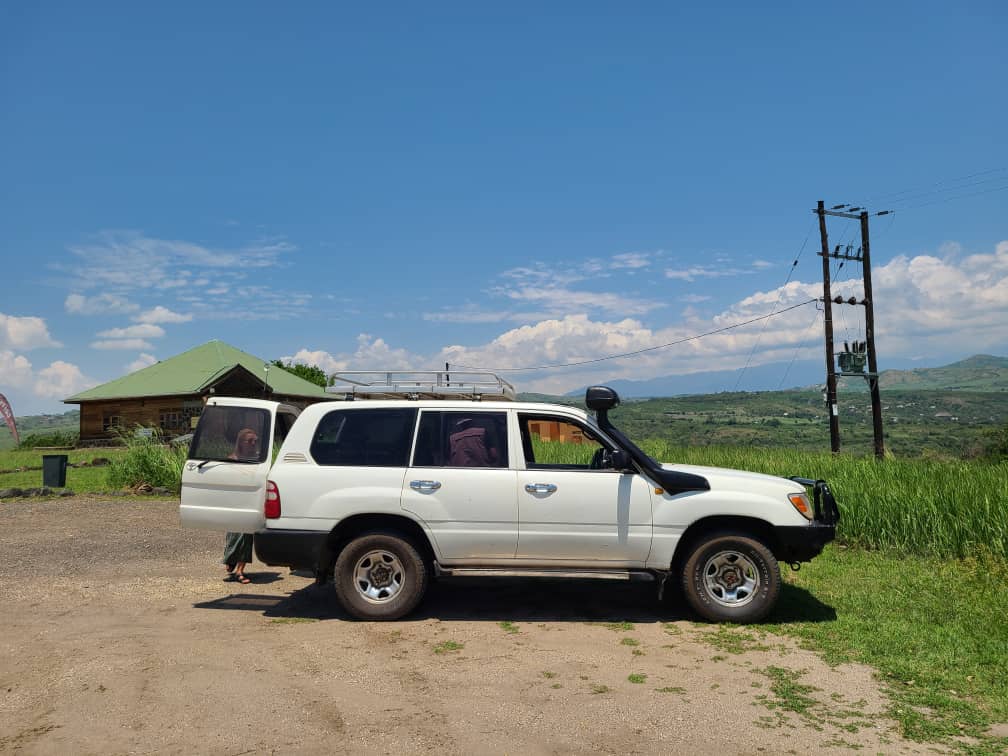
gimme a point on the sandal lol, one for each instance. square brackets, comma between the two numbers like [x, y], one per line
[243, 579]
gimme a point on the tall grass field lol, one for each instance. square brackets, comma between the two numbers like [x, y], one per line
[928, 508]
[940, 508]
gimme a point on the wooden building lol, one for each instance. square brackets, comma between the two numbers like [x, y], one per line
[170, 394]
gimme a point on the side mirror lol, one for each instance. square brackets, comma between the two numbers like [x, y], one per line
[619, 459]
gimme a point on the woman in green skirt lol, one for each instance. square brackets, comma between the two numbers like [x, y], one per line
[237, 553]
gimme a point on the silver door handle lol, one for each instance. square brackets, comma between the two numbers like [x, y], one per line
[540, 488]
[425, 485]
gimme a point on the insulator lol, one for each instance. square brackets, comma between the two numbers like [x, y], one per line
[838, 300]
[852, 300]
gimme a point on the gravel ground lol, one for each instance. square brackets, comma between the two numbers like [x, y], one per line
[119, 635]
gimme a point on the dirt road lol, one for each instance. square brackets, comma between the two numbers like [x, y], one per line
[118, 635]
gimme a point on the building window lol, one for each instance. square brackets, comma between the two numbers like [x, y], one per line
[173, 420]
[111, 423]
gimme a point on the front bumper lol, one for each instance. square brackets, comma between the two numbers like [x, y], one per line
[799, 543]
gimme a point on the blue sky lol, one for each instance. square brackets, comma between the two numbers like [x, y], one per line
[512, 186]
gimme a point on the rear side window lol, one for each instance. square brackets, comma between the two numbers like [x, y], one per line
[364, 438]
[461, 439]
[231, 434]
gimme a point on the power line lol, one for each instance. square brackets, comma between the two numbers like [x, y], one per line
[798, 349]
[875, 199]
[780, 293]
[638, 351]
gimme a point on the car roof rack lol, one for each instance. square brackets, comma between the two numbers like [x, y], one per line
[380, 384]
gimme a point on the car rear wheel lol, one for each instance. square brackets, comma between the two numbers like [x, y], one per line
[380, 576]
[730, 577]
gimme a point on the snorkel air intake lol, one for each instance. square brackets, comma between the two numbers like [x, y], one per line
[601, 399]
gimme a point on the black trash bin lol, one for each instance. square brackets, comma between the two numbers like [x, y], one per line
[54, 470]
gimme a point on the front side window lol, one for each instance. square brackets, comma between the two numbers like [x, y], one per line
[364, 438]
[231, 434]
[461, 439]
[555, 442]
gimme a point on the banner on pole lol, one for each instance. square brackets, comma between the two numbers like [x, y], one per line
[8, 415]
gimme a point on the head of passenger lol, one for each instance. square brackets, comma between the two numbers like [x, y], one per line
[246, 445]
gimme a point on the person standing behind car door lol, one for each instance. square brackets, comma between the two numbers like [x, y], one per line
[238, 546]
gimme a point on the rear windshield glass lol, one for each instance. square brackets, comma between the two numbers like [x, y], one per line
[231, 434]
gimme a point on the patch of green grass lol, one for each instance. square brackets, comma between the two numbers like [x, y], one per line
[630, 642]
[790, 695]
[508, 627]
[618, 627]
[671, 689]
[292, 620]
[934, 629]
[733, 639]
[671, 628]
[599, 689]
[638, 652]
[637, 678]
[79, 479]
[447, 647]
[549, 675]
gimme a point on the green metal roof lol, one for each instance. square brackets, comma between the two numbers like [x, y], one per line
[195, 371]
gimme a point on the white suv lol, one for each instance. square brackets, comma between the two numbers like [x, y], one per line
[380, 494]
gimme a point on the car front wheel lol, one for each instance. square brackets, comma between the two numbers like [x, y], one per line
[380, 576]
[730, 577]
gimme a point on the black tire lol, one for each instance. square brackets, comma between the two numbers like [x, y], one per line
[380, 576]
[731, 577]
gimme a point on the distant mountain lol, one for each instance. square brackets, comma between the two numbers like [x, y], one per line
[772, 377]
[981, 372]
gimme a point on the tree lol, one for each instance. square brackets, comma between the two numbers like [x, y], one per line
[310, 373]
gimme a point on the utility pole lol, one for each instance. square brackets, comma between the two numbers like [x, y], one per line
[831, 394]
[876, 399]
[851, 363]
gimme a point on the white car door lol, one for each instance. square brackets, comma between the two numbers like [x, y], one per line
[224, 479]
[569, 508]
[461, 485]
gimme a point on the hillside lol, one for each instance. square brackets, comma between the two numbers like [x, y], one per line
[29, 424]
[981, 372]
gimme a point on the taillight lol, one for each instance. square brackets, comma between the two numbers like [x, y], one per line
[272, 506]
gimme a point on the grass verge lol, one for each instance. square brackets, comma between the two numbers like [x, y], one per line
[934, 629]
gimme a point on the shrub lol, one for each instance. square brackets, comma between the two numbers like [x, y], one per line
[148, 460]
[50, 438]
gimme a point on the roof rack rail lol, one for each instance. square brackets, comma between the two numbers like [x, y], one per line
[420, 385]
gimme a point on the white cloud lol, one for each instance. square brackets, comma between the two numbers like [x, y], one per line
[557, 301]
[78, 304]
[15, 369]
[703, 271]
[60, 380]
[20, 381]
[144, 360]
[632, 260]
[24, 333]
[132, 344]
[161, 314]
[144, 331]
[951, 304]
[371, 354]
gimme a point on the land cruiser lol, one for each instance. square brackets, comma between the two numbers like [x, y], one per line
[448, 475]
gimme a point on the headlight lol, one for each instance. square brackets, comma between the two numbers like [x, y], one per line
[800, 502]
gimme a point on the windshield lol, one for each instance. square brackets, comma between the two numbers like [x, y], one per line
[231, 434]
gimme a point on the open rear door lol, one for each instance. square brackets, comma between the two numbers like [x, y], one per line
[224, 479]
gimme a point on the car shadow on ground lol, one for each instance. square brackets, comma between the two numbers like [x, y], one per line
[521, 600]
